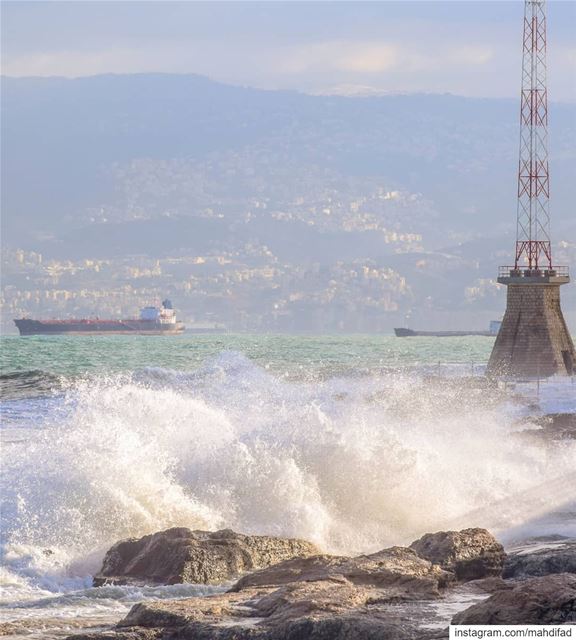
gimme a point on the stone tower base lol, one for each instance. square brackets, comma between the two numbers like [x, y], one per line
[533, 340]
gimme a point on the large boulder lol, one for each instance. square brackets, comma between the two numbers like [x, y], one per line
[546, 600]
[554, 557]
[471, 554]
[181, 555]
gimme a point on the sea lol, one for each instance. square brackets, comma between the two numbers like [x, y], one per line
[355, 443]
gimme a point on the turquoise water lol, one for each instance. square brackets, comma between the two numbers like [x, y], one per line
[307, 355]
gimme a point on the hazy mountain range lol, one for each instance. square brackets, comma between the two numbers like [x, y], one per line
[161, 165]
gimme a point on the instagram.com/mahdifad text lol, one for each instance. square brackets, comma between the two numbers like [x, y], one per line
[512, 631]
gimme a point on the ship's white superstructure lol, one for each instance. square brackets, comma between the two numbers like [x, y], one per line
[161, 315]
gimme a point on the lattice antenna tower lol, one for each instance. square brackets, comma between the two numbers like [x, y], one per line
[533, 215]
[534, 340]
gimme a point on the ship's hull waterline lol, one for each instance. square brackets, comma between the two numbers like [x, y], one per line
[37, 327]
[410, 333]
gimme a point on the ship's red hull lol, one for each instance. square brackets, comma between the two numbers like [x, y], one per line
[28, 327]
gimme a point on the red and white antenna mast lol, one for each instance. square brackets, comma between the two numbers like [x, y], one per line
[533, 340]
[533, 216]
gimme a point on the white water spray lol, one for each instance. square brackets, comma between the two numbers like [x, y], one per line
[352, 464]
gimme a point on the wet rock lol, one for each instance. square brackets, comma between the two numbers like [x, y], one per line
[266, 613]
[320, 597]
[303, 611]
[138, 633]
[129, 634]
[546, 600]
[557, 426]
[181, 555]
[55, 627]
[554, 557]
[490, 585]
[470, 554]
[397, 567]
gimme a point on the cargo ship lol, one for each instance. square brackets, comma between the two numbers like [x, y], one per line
[408, 333]
[153, 321]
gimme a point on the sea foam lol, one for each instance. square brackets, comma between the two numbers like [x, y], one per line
[352, 464]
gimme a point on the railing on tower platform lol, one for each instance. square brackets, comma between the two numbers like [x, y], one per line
[519, 272]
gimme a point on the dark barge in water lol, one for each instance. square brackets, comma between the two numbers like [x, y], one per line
[408, 333]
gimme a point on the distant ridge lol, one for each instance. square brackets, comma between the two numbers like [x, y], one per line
[71, 146]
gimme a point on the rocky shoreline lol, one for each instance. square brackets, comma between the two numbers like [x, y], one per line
[286, 589]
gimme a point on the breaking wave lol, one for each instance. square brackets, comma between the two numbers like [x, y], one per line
[352, 464]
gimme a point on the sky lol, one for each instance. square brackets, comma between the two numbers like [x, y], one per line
[463, 47]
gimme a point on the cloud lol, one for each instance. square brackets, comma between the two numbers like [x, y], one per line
[567, 55]
[370, 58]
[385, 66]
[338, 55]
[374, 57]
[346, 56]
[473, 55]
[72, 63]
